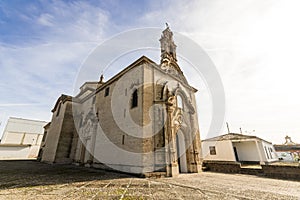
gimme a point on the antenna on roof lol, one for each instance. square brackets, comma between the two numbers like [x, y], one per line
[227, 127]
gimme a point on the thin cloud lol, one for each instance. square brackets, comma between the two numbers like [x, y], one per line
[41, 61]
[45, 19]
[253, 45]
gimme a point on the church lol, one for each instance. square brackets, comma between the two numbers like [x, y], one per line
[143, 120]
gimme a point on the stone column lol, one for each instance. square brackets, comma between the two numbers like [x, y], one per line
[196, 143]
[168, 139]
[172, 167]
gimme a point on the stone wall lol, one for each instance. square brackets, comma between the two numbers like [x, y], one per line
[220, 166]
[53, 135]
[268, 170]
[66, 136]
[282, 172]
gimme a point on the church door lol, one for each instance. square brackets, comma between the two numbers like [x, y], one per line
[181, 152]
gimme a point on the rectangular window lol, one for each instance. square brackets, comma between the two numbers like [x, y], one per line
[267, 152]
[123, 139]
[270, 151]
[134, 99]
[106, 91]
[212, 150]
[94, 100]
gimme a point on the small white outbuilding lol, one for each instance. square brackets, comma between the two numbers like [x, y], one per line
[238, 148]
[21, 139]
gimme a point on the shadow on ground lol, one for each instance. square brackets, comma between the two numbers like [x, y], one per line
[23, 173]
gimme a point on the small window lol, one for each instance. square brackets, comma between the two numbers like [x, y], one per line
[106, 91]
[179, 102]
[270, 153]
[212, 150]
[162, 93]
[123, 139]
[134, 100]
[94, 100]
[267, 152]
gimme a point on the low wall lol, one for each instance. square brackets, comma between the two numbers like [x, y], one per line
[221, 166]
[271, 170]
[284, 172]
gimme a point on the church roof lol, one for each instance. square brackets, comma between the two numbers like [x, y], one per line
[63, 98]
[121, 73]
[168, 57]
[131, 66]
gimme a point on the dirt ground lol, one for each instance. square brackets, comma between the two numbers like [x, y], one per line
[34, 180]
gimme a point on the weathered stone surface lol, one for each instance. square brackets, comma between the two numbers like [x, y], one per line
[34, 180]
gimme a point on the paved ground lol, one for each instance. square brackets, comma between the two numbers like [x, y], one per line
[33, 180]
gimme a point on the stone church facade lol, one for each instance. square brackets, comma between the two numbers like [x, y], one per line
[143, 120]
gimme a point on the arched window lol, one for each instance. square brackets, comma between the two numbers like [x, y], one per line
[162, 92]
[134, 99]
[179, 102]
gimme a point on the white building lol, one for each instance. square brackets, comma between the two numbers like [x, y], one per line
[238, 148]
[288, 151]
[21, 138]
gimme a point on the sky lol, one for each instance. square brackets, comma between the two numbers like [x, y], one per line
[253, 44]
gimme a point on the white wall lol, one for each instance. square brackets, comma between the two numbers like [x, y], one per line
[11, 152]
[16, 128]
[269, 152]
[12, 138]
[106, 150]
[21, 131]
[247, 151]
[33, 151]
[224, 150]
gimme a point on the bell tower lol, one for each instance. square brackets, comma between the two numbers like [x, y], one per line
[168, 62]
[167, 45]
